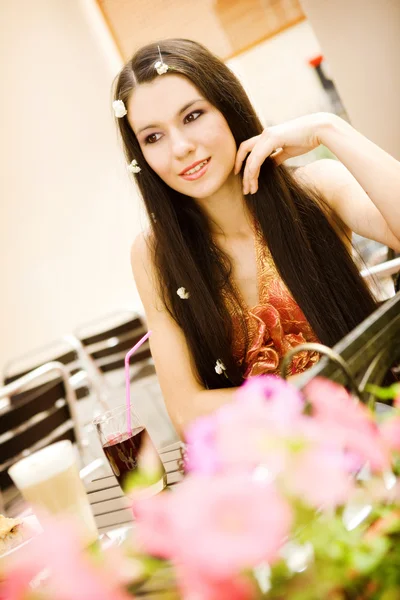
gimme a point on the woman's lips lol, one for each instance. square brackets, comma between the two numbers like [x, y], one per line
[196, 174]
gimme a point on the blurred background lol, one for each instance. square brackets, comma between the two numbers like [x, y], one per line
[69, 211]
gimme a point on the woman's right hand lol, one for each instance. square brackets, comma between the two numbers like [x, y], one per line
[280, 142]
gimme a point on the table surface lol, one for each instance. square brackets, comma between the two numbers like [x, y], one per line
[112, 514]
[111, 507]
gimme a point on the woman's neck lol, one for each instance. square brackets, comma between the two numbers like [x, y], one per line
[227, 210]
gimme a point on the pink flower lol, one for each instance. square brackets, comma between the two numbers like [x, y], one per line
[120, 565]
[220, 441]
[201, 439]
[219, 526]
[155, 524]
[16, 583]
[281, 398]
[250, 437]
[72, 575]
[390, 431]
[193, 587]
[320, 478]
[253, 428]
[236, 438]
[347, 422]
[332, 402]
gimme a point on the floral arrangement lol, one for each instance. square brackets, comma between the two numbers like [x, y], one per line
[287, 495]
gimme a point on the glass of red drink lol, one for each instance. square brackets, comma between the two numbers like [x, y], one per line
[129, 448]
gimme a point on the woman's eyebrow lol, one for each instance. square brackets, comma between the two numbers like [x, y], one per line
[189, 105]
[182, 110]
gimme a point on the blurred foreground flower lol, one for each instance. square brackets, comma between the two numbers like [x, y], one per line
[54, 565]
[288, 495]
[215, 527]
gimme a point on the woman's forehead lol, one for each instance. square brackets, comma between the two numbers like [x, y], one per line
[160, 100]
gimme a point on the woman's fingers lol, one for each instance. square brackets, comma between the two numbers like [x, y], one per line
[262, 149]
[250, 181]
[280, 142]
[256, 149]
[244, 148]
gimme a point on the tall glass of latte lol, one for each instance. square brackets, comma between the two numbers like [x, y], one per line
[49, 479]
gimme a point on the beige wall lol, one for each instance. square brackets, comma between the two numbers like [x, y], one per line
[361, 40]
[68, 209]
[278, 78]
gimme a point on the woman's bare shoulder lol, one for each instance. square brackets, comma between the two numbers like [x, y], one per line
[143, 267]
[325, 176]
[141, 255]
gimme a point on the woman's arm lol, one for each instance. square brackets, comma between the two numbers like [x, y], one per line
[185, 398]
[371, 176]
[348, 200]
[376, 171]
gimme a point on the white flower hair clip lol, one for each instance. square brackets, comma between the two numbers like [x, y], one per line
[220, 367]
[160, 66]
[183, 293]
[133, 167]
[119, 108]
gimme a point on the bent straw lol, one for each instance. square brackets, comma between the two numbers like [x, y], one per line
[127, 379]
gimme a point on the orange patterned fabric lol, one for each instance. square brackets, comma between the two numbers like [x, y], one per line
[274, 326]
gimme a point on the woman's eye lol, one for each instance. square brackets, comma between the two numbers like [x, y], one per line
[152, 138]
[193, 116]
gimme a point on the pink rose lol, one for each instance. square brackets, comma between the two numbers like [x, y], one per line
[390, 430]
[320, 478]
[253, 428]
[217, 526]
[72, 575]
[348, 422]
[195, 587]
[201, 440]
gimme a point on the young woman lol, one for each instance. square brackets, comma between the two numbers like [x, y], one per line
[245, 258]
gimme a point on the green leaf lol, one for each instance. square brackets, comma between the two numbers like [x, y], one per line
[388, 393]
[369, 556]
[391, 594]
[140, 479]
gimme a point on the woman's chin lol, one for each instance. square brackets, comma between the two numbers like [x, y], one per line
[206, 189]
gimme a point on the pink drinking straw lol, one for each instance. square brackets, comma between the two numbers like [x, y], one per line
[127, 379]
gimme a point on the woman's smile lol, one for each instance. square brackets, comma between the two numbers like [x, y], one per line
[196, 170]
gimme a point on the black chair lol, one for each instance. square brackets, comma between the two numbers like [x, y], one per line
[61, 351]
[108, 339]
[68, 350]
[36, 410]
[369, 354]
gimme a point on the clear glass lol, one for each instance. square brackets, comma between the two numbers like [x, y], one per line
[129, 451]
[49, 479]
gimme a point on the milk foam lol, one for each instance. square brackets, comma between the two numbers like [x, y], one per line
[43, 464]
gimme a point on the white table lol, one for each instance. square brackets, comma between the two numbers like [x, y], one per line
[111, 508]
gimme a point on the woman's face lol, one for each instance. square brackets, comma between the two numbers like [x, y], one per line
[183, 137]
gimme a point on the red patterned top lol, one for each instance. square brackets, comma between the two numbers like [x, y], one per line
[274, 326]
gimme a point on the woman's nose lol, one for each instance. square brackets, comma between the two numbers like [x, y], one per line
[181, 144]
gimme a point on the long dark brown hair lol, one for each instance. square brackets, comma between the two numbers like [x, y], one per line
[309, 255]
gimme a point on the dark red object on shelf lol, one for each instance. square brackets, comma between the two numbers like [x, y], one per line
[316, 61]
